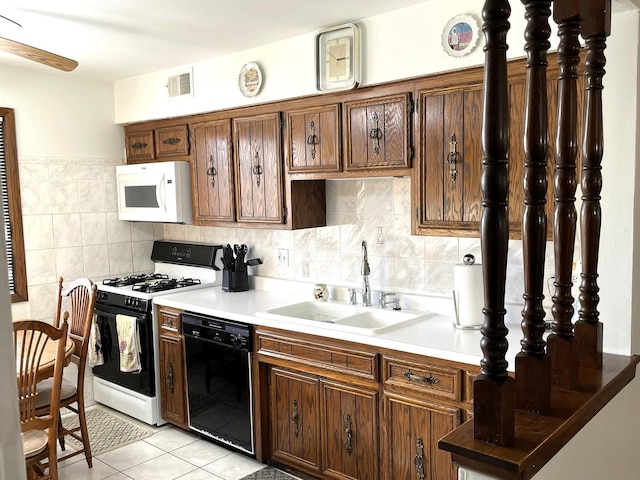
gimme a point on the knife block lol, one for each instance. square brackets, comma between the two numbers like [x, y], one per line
[235, 281]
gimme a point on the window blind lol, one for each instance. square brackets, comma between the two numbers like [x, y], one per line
[5, 208]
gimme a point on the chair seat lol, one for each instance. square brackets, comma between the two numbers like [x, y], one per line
[34, 442]
[68, 390]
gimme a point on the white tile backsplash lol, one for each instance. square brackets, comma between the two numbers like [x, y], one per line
[94, 228]
[41, 266]
[356, 208]
[67, 231]
[91, 195]
[38, 232]
[68, 206]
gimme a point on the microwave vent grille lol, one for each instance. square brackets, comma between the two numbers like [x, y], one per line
[180, 85]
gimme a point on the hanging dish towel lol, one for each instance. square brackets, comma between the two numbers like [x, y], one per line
[129, 343]
[95, 356]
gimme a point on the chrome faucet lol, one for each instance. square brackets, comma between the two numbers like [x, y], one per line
[365, 271]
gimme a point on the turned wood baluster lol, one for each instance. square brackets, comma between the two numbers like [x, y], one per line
[494, 393]
[563, 346]
[595, 28]
[533, 365]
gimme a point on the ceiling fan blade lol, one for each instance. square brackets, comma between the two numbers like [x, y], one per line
[37, 55]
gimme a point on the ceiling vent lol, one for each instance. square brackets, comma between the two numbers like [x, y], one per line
[180, 85]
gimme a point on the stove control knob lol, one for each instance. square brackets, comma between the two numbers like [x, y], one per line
[236, 341]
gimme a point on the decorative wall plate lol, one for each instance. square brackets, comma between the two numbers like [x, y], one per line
[460, 35]
[250, 79]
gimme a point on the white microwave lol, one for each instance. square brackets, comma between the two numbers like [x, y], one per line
[154, 192]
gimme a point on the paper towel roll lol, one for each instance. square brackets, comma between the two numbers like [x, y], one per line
[469, 294]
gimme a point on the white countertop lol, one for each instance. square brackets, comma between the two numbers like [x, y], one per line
[434, 336]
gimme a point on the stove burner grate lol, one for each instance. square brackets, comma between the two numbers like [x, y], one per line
[165, 284]
[133, 279]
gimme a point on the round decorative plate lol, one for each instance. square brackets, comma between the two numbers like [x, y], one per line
[250, 79]
[460, 35]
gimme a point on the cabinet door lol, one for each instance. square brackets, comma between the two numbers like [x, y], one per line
[172, 380]
[172, 143]
[448, 183]
[350, 421]
[413, 430]
[139, 146]
[258, 166]
[314, 139]
[295, 407]
[212, 173]
[378, 133]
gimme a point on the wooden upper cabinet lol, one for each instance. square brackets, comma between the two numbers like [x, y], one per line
[314, 139]
[212, 173]
[156, 142]
[377, 133]
[139, 146]
[448, 181]
[444, 206]
[172, 143]
[258, 168]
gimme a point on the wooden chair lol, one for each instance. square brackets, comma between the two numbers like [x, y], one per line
[39, 428]
[81, 295]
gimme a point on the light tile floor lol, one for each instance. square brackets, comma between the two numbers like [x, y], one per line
[168, 454]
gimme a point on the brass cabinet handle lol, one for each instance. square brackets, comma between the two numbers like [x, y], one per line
[294, 418]
[212, 172]
[312, 139]
[171, 141]
[170, 378]
[257, 169]
[348, 434]
[452, 158]
[418, 460]
[139, 145]
[431, 380]
[376, 133]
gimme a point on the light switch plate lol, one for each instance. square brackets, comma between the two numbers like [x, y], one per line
[283, 257]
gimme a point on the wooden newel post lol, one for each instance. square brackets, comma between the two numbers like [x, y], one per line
[563, 346]
[493, 389]
[595, 29]
[533, 365]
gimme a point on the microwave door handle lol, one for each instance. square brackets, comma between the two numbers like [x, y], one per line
[160, 193]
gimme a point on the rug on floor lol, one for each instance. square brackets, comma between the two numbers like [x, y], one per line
[108, 430]
[269, 473]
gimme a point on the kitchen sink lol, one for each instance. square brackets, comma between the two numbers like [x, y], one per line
[315, 311]
[345, 317]
[379, 321]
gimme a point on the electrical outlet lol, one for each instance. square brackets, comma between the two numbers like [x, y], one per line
[305, 268]
[283, 257]
[380, 235]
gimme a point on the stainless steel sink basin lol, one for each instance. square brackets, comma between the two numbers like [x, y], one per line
[345, 317]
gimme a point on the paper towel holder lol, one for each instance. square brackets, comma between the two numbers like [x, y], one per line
[468, 259]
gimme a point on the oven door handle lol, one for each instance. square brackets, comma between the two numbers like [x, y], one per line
[109, 311]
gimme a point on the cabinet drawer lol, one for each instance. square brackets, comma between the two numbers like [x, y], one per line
[421, 377]
[172, 142]
[317, 354]
[170, 320]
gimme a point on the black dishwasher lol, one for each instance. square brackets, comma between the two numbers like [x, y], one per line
[218, 361]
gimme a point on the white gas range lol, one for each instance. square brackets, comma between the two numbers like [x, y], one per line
[178, 266]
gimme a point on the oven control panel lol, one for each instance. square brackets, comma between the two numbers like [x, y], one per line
[218, 330]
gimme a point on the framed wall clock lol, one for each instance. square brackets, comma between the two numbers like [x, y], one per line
[460, 35]
[250, 79]
[338, 51]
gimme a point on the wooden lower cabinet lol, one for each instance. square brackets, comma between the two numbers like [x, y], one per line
[295, 422]
[173, 385]
[350, 422]
[413, 430]
[341, 410]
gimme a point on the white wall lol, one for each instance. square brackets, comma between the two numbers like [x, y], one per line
[397, 45]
